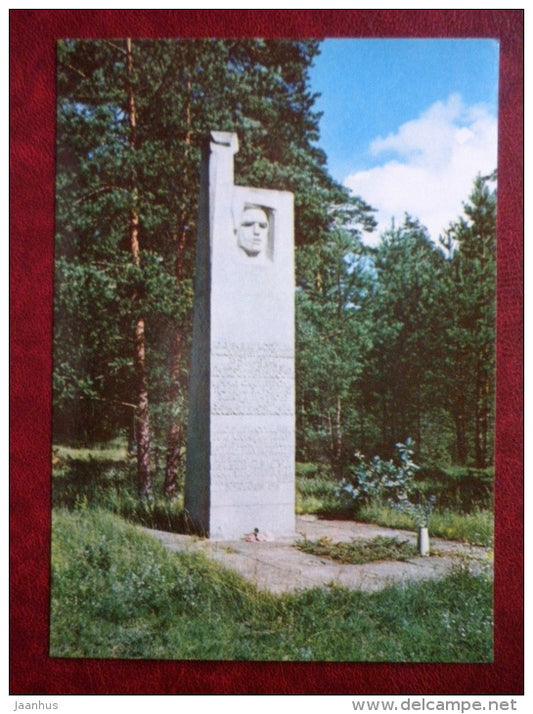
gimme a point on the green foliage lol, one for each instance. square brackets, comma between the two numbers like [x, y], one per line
[399, 384]
[359, 551]
[115, 450]
[460, 501]
[419, 513]
[332, 336]
[379, 479]
[470, 327]
[103, 477]
[117, 593]
[318, 495]
[106, 168]
[462, 489]
[399, 339]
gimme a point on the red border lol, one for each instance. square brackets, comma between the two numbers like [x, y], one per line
[33, 34]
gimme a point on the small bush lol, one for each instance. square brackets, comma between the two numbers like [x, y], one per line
[379, 479]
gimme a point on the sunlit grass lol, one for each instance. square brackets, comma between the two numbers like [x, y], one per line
[475, 528]
[115, 450]
[118, 593]
[316, 493]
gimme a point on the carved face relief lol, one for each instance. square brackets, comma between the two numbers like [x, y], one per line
[253, 231]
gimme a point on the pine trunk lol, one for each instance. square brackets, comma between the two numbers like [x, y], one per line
[482, 417]
[460, 439]
[176, 431]
[144, 476]
[338, 432]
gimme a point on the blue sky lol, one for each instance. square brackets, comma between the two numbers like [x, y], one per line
[407, 124]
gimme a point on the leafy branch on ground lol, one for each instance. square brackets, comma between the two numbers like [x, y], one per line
[359, 551]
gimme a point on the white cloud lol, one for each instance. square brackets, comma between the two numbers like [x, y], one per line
[429, 165]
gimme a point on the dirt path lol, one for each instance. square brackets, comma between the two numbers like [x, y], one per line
[279, 567]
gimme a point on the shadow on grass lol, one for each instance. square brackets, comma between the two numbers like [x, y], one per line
[108, 484]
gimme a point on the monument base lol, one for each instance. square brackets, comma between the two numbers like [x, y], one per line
[235, 522]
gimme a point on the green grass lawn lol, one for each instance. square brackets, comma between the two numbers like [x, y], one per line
[116, 592]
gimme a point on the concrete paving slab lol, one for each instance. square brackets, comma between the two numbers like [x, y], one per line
[278, 566]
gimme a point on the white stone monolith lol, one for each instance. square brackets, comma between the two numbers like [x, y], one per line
[241, 433]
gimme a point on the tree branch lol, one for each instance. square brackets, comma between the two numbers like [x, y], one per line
[97, 191]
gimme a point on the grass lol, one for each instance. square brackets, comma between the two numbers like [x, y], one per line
[359, 551]
[115, 450]
[118, 593]
[84, 478]
[316, 492]
[476, 528]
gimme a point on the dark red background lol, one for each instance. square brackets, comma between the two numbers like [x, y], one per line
[32, 76]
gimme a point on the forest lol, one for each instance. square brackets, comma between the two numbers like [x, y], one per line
[395, 341]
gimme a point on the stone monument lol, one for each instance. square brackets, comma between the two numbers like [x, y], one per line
[240, 446]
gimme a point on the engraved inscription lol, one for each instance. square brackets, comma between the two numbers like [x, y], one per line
[252, 458]
[242, 367]
[251, 349]
[262, 397]
[252, 380]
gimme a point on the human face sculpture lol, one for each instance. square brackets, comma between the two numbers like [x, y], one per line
[253, 231]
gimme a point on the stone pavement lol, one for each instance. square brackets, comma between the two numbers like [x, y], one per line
[279, 567]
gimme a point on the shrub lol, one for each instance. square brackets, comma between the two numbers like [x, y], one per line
[419, 512]
[380, 479]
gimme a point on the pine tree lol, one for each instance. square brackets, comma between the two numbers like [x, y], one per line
[407, 333]
[131, 119]
[332, 334]
[471, 242]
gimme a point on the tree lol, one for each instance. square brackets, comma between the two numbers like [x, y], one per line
[332, 333]
[407, 334]
[131, 117]
[471, 244]
[104, 213]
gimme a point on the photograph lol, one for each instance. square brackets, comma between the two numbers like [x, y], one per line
[292, 381]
